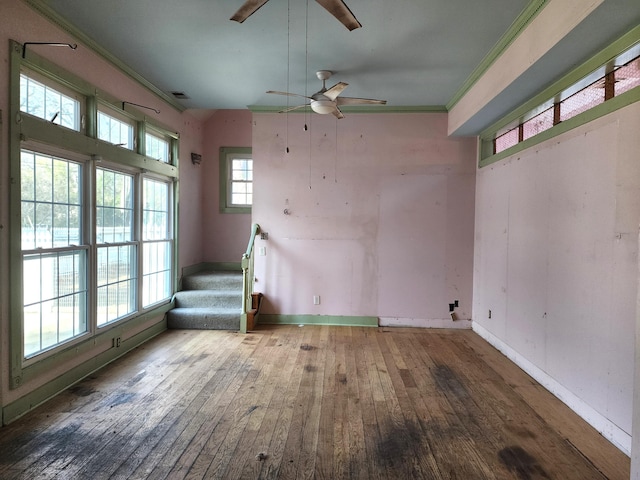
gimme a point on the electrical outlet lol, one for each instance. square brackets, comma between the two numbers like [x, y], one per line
[316, 299]
[262, 251]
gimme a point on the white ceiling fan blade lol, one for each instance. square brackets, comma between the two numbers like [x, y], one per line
[337, 113]
[249, 8]
[336, 90]
[287, 94]
[359, 101]
[293, 108]
[339, 9]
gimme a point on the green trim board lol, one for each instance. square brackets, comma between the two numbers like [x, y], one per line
[49, 13]
[336, 320]
[355, 109]
[590, 115]
[517, 27]
[604, 58]
[598, 60]
[16, 409]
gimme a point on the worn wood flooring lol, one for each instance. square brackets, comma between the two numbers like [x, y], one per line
[312, 402]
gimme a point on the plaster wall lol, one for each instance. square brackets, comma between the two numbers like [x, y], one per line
[555, 267]
[224, 235]
[20, 23]
[372, 213]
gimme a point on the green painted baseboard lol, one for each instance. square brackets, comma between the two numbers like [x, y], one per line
[339, 320]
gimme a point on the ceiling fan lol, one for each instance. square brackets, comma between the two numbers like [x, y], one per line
[328, 100]
[337, 8]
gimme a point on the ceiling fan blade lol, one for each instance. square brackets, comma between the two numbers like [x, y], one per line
[249, 8]
[288, 94]
[336, 90]
[337, 113]
[293, 108]
[339, 9]
[359, 101]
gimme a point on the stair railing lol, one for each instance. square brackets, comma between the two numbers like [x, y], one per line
[247, 278]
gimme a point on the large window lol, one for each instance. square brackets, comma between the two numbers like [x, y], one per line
[96, 244]
[54, 259]
[236, 180]
[156, 237]
[116, 253]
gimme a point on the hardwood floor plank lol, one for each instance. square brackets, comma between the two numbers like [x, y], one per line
[319, 402]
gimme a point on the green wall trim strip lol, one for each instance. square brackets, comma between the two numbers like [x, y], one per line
[601, 58]
[339, 320]
[356, 109]
[520, 23]
[46, 11]
[590, 115]
[40, 395]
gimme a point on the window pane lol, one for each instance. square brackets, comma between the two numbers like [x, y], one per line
[115, 131]
[48, 103]
[156, 284]
[157, 148]
[116, 280]
[538, 124]
[51, 210]
[239, 187]
[55, 298]
[155, 215]
[114, 207]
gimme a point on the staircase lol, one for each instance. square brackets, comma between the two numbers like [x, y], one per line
[210, 300]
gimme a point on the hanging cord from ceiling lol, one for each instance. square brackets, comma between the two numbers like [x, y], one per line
[288, 69]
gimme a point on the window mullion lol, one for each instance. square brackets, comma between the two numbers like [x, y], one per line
[90, 233]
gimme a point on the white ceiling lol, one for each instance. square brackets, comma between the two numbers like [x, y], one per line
[408, 52]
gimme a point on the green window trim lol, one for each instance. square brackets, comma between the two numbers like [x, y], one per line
[603, 58]
[225, 207]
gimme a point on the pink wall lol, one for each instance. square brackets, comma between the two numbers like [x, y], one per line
[556, 263]
[380, 216]
[224, 235]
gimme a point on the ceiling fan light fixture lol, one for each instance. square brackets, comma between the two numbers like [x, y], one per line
[323, 106]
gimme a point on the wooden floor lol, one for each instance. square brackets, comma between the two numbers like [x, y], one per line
[308, 402]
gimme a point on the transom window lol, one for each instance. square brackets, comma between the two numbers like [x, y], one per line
[603, 84]
[157, 147]
[114, 130]
[48, 102]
